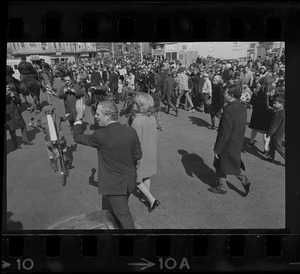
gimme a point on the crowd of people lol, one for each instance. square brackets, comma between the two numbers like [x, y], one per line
[221, 89]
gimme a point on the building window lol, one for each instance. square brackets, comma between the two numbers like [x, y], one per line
[22, 45]
[237, 46]
[32, 45]
[54, 45]
[184, 47]
[44, 46]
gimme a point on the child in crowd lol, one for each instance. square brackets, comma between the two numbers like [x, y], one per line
[43, 124]
[156, 107]
[276, 131]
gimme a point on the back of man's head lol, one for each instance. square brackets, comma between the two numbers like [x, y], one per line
[109, 108]
[234, 90]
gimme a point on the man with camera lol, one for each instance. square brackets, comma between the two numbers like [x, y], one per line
[70, 92]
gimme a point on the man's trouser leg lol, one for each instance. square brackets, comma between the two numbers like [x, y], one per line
[221, 178]
[276, 145]
[120, 208]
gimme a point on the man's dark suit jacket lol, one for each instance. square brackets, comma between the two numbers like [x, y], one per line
[119, 150]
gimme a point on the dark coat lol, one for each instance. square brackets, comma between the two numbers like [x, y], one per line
[230, 138]
[13, 118]
[217, 99]
[119, 149]
[113, 82]
[169, 86]
[261, 115]
[96, 78]
[277, 127]
[70, 99]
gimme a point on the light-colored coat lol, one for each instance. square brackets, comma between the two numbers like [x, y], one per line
[145, 127]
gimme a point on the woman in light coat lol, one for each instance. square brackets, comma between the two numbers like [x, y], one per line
[145, 125]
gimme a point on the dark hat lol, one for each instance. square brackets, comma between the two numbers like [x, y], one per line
[23, 58]
[237, 74]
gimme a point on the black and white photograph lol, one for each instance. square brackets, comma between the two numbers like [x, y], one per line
[145, 135]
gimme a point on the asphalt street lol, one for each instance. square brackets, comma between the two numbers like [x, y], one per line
[37, 200]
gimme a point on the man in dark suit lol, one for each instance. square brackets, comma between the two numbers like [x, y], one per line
[113, 83]
[119, 149]
[168, 91]
[230, 138]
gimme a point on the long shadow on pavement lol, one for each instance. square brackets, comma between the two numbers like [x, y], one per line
[194, 165]
[251, 150]
[69, 154]
[92, 181]
[199, 122]
[31, 134]
[12, 225]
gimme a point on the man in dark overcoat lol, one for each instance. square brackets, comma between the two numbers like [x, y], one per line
[169, 86]
[230, 138]
[113, 83]
[70, 92]
[117, 157]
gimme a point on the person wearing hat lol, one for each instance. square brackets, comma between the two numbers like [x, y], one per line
[27, 70]
[276, 130]
[43, 124]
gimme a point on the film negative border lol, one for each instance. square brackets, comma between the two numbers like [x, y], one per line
[150, 253]
[149, 21]
[187, 21]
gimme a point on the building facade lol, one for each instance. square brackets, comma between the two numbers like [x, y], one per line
[57, 51]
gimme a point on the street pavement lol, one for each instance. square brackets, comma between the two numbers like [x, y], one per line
[37, 200]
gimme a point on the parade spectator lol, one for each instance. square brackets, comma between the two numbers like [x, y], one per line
[206, 92]
[145, 125]
[131, 80]
[156, 107]
[96, 79]
[14, 119]
[248, 77]
[261, 115]
[113, 84]
[70, 92]
[117, 157]
[217, 103]
[169, 88]
[229, 142]
[184, 89]
[263, 71]
[224, 72]
[232, 71]
[276, 130]
[158, 82]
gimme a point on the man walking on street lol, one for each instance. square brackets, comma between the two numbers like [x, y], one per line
[119, 150]
[113, 84]
[229, 143]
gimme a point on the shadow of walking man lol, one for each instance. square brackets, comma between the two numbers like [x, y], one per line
[194, 165]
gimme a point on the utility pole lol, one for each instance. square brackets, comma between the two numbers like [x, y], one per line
[141, 49]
